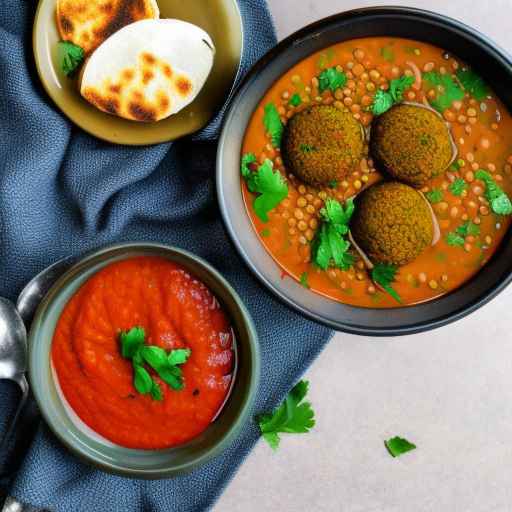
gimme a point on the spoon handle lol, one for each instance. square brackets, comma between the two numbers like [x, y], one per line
[23, 384]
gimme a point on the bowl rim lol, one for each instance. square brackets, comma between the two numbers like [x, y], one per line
[308, 31]
[86, 127]
[247, 402]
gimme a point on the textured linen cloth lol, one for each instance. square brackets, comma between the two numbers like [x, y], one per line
[63, 192]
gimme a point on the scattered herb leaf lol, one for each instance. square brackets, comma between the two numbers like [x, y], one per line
[498, 199]
[458, 186]
[131, 341]
[295, 100]
[247, 159]
[70, 56]
[468, 229]
[397, 446]
[454, 239]
[270, 186]
[398, 86]
[330, 246]
[384, 100]
[450, 90]
[293, 416]
[265, 232]
[384, 274]
[273, 124]
[331, 79]
[434, 196]
[473, 84]
[156, 391]
[179, 356]
[142, 380]
[304, 280]
[387, 53]
[332, 184]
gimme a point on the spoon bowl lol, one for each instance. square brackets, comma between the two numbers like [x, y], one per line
[13, 342]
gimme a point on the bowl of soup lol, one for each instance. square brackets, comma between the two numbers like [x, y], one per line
[364, 171]
[143, 360]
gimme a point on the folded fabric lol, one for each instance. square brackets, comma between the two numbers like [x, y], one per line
[63, 192]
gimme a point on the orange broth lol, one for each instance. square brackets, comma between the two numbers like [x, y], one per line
[480, 130]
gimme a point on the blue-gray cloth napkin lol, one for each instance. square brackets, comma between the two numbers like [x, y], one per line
[63, 192]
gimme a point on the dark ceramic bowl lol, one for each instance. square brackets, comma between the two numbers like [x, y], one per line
[468, 44]
[86, 444]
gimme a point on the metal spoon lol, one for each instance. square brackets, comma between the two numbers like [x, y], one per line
[13, 339]
[13, 356]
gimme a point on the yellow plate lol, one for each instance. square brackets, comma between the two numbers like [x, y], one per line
[220, 18]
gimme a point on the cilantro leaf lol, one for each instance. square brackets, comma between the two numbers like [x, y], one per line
[70, 56]
[499, 200]
[156, 357]
[247, 159]
[398, 86]
[307, 148]
[434, 196]
[454, 239]
[172, 375]
[468, 228]
[156, 392]
[329, 246]
[447, 89]
[458, 186]
[382, 102]
[142, 380]
[473, 84]
[273, 124]
[331, 79]
[295, 100]
[131, 341]
[384, 274]
[179, 356]
[293, 416]
[271, 187]
[304, 280]
[387, 53]
[397, 446]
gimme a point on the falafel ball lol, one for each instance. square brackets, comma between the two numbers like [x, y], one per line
[322, 144]
[411, 143]
[392, 223]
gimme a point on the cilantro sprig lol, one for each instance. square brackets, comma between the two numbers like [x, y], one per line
[293, 416]
[498, 199]
[329, 247]
[447, 89]
[457, 238]
[164, 363]
[273, 124]
[397, 446]
[434, 196]
[70, 56]
[266, 182]
[473, 83]
[384, 274]
[384, 100]
[331, 79]
[295, 100]
[458, 186]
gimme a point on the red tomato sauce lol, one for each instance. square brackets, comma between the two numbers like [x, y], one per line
[176, 311]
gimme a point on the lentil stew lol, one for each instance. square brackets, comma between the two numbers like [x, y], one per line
[352, 76]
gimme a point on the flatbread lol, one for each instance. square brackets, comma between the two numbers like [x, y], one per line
[148, 70]
[87, 23]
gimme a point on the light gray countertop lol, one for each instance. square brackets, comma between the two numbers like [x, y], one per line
[449, 391]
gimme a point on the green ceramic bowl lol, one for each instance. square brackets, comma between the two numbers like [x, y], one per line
[92, 448]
